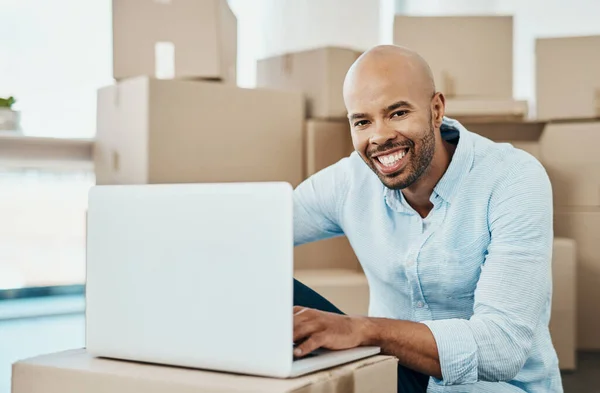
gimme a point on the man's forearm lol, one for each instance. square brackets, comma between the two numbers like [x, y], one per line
[412, 343]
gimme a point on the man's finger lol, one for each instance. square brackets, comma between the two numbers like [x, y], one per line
[313, 342]
[306, 322]
[299, 310]
[305, 315]
[305, 329]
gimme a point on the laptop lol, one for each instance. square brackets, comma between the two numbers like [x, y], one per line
[197, 275]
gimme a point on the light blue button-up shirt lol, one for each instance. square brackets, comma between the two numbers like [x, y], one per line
[476, 270]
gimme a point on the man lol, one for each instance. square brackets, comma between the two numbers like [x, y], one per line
[454, 233]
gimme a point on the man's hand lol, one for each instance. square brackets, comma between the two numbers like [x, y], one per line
[318, 329]
[411, 342]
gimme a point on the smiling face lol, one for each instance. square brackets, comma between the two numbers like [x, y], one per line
[402, 151]
[394, 116]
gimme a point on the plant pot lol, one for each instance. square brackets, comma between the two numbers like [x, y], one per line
[9, 120]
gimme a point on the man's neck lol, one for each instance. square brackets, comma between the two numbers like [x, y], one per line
[418, 195]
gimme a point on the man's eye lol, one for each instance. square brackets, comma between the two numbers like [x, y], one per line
[361, 123]
[399, 113]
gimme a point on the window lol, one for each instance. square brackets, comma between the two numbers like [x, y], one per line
[54, 55]
[42, 230]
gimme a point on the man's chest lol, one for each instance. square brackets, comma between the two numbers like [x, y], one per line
[435, 259]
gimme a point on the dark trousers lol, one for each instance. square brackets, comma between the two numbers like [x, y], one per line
[409, 381]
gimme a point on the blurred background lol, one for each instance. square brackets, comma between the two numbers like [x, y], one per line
[55, 56]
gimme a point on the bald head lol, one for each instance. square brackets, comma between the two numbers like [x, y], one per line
[392, 65]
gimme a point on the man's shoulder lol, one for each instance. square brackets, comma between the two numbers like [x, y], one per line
[500, 170]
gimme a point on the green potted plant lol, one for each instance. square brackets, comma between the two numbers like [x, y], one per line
[7, 102]
[9, 118]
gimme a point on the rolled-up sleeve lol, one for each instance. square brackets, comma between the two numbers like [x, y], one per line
[513, 289]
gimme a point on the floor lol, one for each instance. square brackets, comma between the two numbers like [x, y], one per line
[23, 336]
[585, 378]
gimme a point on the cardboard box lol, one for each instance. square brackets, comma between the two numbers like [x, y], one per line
[570, 155]
[563, 322]
[174, 131]
[76, 371]
[583, 226]
[346, 289]
[567, 77]
[333, 253]
[563, 329]
[327, 142]
[486, 110]
[174, 39]
[474, 58]
[318, 73]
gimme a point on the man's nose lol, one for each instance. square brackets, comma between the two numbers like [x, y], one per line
[382, 134]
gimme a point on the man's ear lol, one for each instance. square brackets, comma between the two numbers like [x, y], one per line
[438, 109]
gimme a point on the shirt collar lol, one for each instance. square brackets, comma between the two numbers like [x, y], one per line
[447, 186]
[461, 162]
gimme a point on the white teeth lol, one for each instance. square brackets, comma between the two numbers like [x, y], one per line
[391, 159]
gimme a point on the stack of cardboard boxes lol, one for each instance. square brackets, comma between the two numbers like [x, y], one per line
[568, 97]
[476, 77]
[329, 266]
[175, 115]
[564, 138]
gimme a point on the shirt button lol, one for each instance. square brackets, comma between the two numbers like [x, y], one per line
[410, 263]
[420, 304]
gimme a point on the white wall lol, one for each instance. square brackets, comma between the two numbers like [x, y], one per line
[447, 7]
[249, 18]
[292, 25]
[271, 27]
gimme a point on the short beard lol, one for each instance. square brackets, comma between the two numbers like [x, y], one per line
[418, 165]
